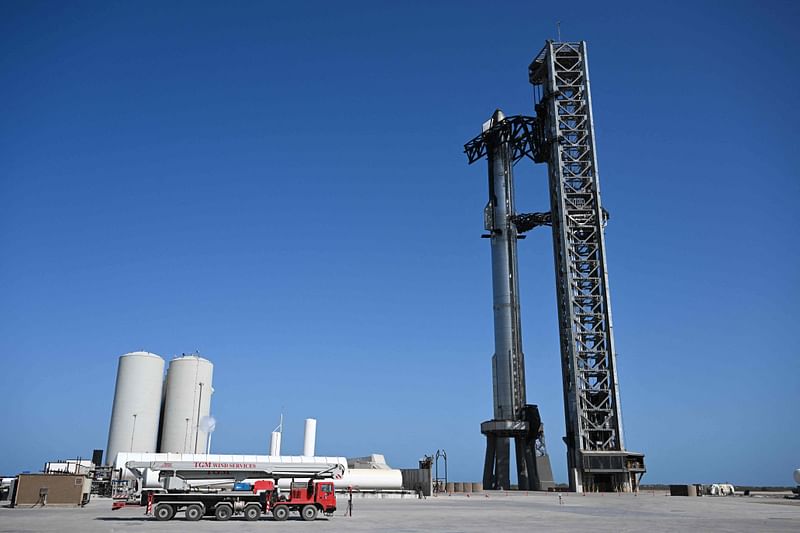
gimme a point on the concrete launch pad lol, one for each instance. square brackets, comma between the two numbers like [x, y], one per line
[505, 512]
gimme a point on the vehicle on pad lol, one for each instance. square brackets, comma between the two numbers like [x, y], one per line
[307, 499]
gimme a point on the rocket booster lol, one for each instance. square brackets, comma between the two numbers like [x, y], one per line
[508, 368]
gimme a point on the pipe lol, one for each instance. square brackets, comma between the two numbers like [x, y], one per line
[275, 444]
[309, 442]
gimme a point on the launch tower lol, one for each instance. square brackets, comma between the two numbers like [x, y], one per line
[596, 455]
[561, 135]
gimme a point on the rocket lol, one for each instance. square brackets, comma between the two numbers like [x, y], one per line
[508, 366]
[503, 141]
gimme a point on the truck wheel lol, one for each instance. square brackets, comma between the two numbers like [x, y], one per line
[252, 512]
[309, 513]
[280, 513]
[223, 512]
[194, 512]
[164, 512]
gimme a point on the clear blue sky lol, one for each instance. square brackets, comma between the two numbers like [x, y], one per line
[283, 189]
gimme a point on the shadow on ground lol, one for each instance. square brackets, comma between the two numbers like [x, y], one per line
[122, 519]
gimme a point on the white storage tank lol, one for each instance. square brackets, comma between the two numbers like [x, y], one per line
[187, 401]
[310, 438]
[137, 404]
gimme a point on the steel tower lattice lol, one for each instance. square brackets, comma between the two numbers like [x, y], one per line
[596, 454]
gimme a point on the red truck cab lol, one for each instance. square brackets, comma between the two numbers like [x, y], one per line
[325, 496]
[308, 499]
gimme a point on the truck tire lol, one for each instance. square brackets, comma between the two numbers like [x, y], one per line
[194, 512]
[309, 513]
[280, 513]
[164, 512]
[252, 512]
[223, 512]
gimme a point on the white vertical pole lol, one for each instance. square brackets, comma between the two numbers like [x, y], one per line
[275, 444]
[309, 443]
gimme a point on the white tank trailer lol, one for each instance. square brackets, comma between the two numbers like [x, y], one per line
[137, 404]
[186, 402]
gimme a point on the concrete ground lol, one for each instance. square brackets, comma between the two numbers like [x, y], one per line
[501, 512]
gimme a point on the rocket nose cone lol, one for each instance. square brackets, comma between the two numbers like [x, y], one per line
[498, 116]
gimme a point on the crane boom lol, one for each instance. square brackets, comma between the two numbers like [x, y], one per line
[233, 471]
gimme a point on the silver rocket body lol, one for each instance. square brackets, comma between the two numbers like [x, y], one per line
[508, 360]
[513, 418]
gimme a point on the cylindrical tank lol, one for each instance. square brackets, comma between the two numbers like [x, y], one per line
[467, 486]
[477, 486]
[137, 405]
[275, 444]
[310, 439]
[370, 479]
[458, 486]
[187, 400]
